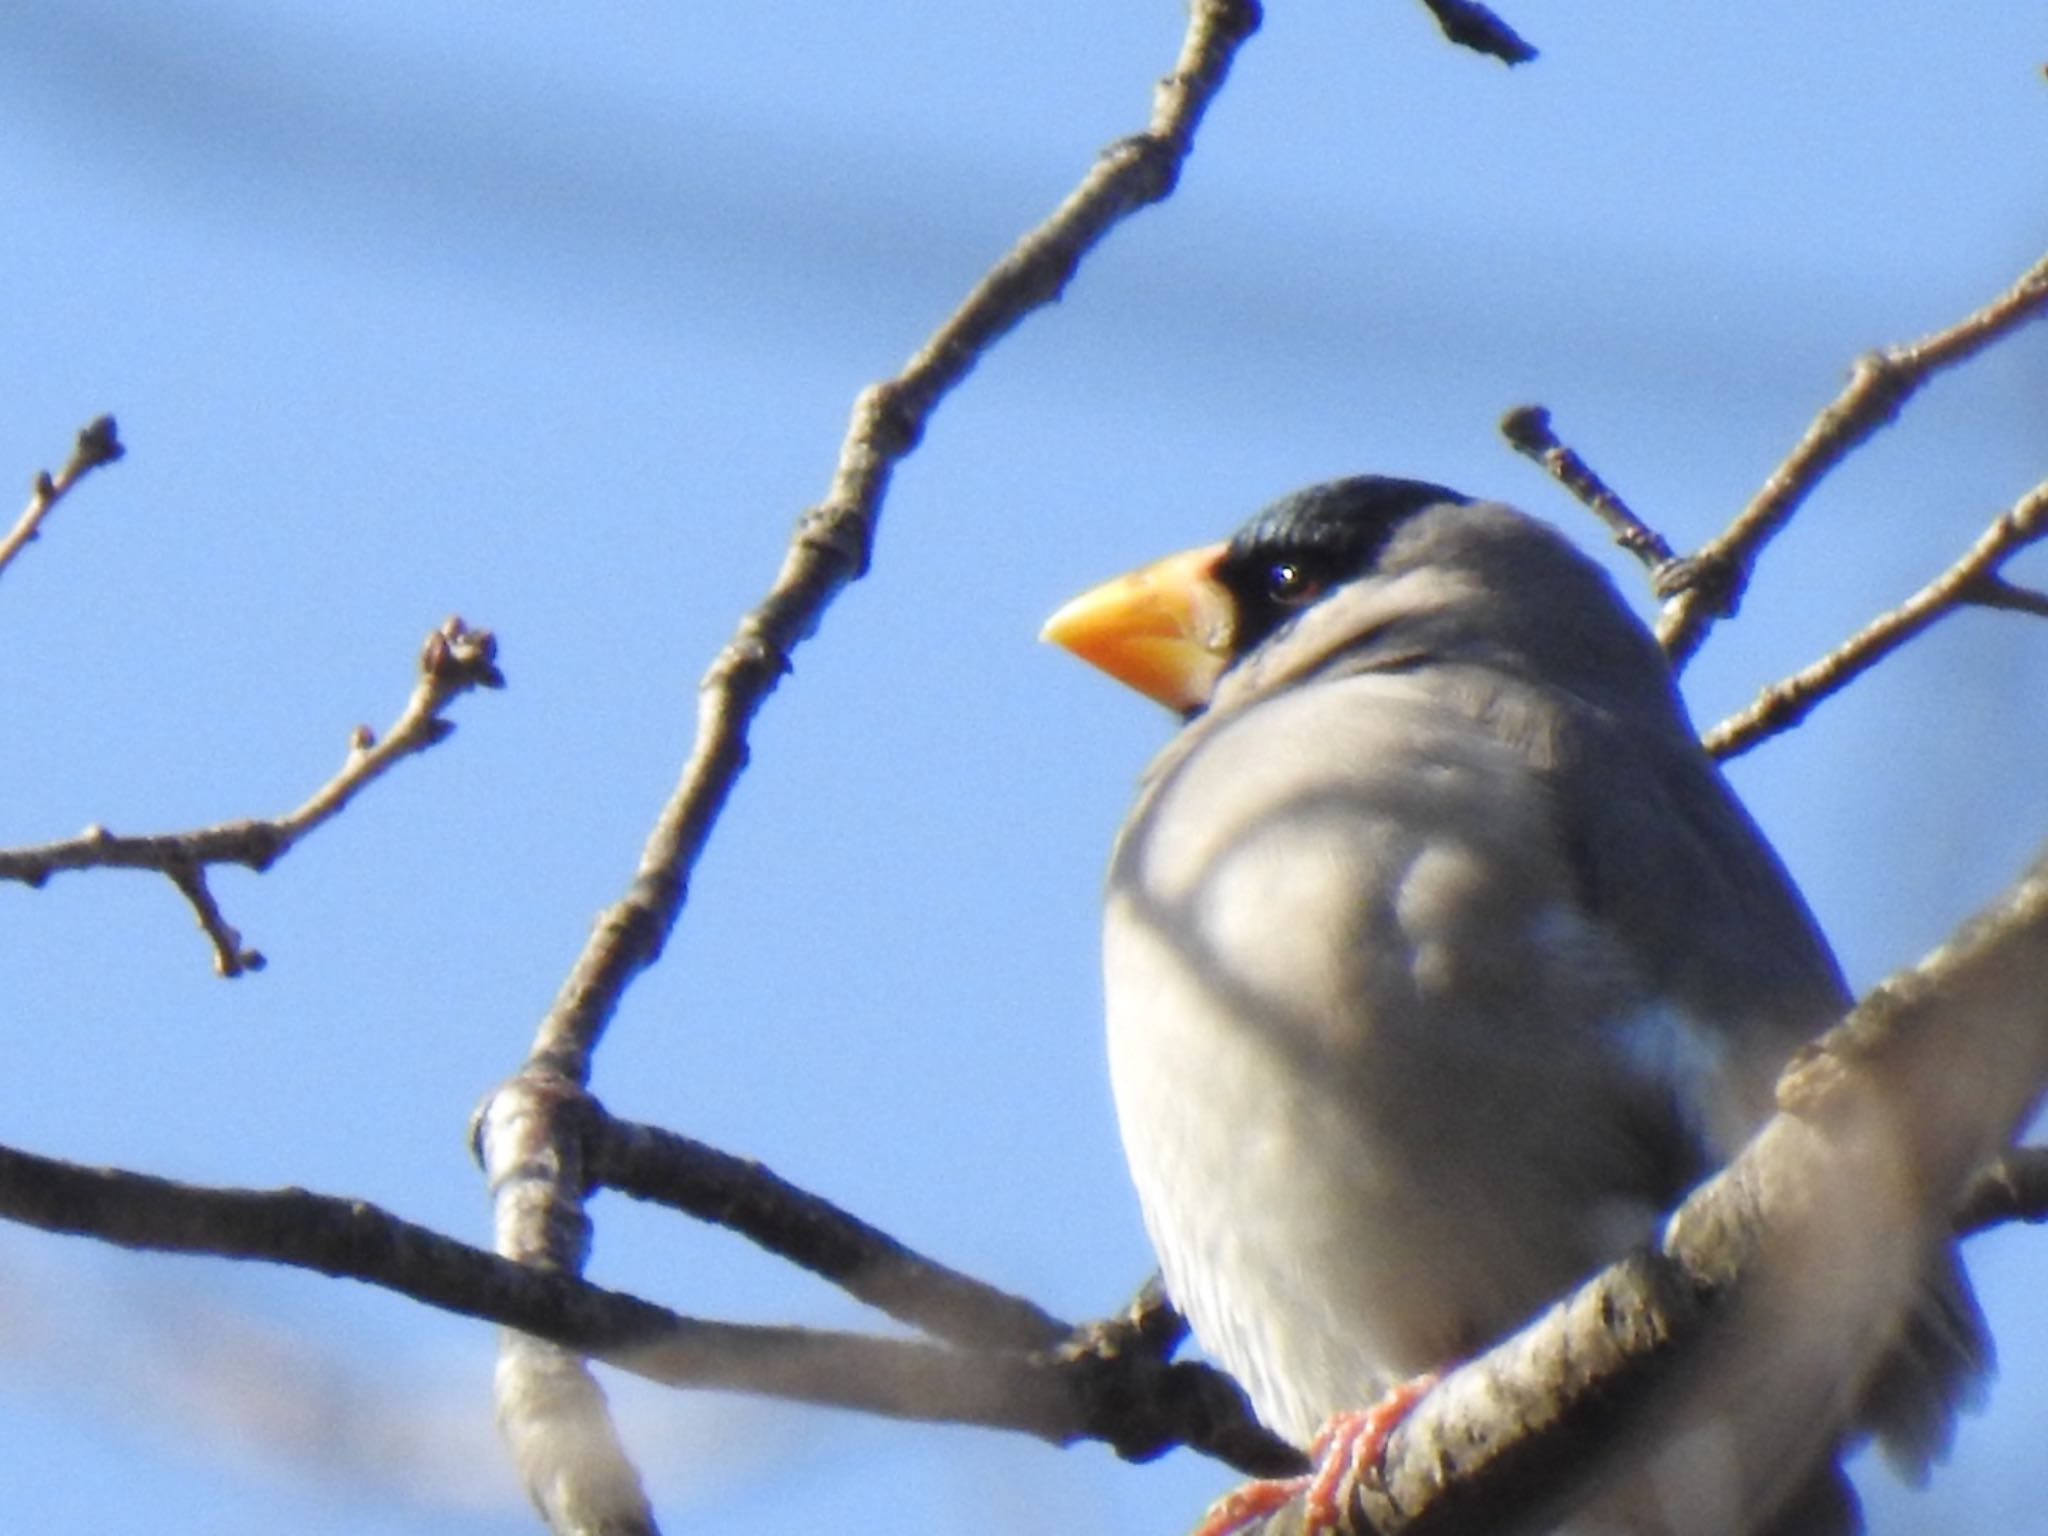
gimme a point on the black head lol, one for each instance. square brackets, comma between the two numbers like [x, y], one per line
[1304, 544]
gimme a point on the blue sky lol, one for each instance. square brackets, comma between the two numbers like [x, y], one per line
[552, 318]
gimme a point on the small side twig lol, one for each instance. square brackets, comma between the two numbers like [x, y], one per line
[1880, 383]
[834, 539]
[98, 443]
[1972, 580]
[230, 956]
[1528, 431]
[649, 1163]
[455, 659]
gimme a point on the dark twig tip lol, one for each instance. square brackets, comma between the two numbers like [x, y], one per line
[99, 442]
[1472, 25]
[1528, 431]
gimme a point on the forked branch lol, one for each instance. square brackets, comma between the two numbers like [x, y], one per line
[1879, 385]
[455, 659]
[1973, 581]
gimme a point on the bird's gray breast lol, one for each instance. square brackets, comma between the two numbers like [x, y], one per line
[1363, 1038]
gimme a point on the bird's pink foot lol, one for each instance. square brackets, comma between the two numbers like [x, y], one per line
[1248, 1503]
[1346, 1448]
[1349, 1446]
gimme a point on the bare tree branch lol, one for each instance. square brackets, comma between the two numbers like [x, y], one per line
[533, 1165]
[1202, 1408]
[1525, 1418]
[98, 443]
[455, 659]
[1950, 1053]
[1973, 579]
[1126, 1395]
[1879, 385]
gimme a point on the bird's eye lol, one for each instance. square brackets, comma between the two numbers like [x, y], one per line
[1289, 585]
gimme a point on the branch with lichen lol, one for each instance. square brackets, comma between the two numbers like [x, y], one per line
[455, 659]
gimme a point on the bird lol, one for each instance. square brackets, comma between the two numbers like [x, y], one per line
[1439, 962]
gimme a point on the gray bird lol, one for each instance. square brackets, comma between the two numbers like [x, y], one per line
[1440, 961]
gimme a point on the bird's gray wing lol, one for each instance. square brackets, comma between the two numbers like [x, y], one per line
[1673, 864]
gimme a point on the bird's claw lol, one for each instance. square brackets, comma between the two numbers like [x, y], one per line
[1345, 1450]
[1350, 1447]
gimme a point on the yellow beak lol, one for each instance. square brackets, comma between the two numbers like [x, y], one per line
[1164, 630]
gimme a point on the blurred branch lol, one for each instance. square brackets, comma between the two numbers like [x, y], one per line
[97, 443]
[652, 1164]
[533, 1163]
[1880, 383]
[1471, 25]
[454, 660]
[1972, 580]
[1110, 1381]
[1102, 1386]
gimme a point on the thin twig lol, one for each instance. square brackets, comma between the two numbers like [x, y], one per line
[455, 659]
[649, 1163]
[1527, 429]
[97, 443]
[1972, 580]
[1880, 383]
[526, 1131]
[834, 539]
[230, 956]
